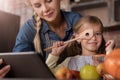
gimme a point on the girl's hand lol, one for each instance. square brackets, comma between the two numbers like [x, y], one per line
[58, 47]
[110, 44]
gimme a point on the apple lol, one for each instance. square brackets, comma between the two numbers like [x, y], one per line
[99, 68]
[89, 72]
[63, 74]
[75, 74]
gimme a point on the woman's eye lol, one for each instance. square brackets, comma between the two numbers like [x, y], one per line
[48, 0]
[37, 5]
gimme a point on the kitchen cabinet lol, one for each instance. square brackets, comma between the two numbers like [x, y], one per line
[107, 10]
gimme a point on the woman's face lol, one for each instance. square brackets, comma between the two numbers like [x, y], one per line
[48, 10]
[94, 43]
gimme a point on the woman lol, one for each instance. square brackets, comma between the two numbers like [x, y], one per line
[51, 23]
[47, 25]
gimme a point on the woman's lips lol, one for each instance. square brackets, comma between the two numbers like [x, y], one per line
[49, 15]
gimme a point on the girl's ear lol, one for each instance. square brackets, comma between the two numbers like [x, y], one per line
[76, 35]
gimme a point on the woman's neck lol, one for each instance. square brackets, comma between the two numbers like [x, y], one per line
[57, 23]
[58, 26]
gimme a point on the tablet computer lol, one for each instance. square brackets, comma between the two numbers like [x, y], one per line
[26, 65]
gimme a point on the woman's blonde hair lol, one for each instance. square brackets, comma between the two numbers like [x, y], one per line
[37, 38]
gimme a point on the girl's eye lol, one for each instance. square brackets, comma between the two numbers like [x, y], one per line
[98, 34]
[49, 1]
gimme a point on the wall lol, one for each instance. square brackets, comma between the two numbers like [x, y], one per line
[17, 7]
[9, 27]
[113, 33]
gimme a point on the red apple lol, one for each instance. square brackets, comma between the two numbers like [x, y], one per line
[63, 74]
[75, 74]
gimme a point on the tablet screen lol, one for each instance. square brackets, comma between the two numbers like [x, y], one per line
[26, 65]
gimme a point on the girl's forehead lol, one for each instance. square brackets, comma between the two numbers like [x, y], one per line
[91, 25]
[95, 27]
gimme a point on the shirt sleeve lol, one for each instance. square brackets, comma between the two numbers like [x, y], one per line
[24, 39]
[75, 18]
[52, 62]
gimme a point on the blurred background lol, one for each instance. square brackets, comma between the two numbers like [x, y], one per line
[13, 14]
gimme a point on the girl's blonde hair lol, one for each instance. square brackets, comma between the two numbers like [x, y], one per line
[74, 48]
[87, 19]
[91, 20]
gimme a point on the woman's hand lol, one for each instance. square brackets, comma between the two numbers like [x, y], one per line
[58, 47]
[4, 70]
[110, 44]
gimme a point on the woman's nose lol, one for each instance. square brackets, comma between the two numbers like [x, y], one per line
[45, 8]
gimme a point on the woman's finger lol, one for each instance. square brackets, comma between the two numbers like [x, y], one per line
[4, 71]
[1, 61]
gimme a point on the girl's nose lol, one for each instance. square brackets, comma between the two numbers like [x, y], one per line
[94, 37]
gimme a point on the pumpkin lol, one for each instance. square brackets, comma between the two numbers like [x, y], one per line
[112, 63]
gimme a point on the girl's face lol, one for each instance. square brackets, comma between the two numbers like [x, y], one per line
[94, 43]
[46, 9]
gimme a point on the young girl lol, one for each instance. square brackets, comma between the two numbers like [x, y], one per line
[86, 48]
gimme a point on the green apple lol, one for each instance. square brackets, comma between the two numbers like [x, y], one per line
[89, 72]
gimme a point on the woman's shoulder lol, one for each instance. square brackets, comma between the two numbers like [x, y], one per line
[71, 14]
[71, 17]
[27, 28]
[29, 22]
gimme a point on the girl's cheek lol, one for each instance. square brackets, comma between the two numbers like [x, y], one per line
[84, 42]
